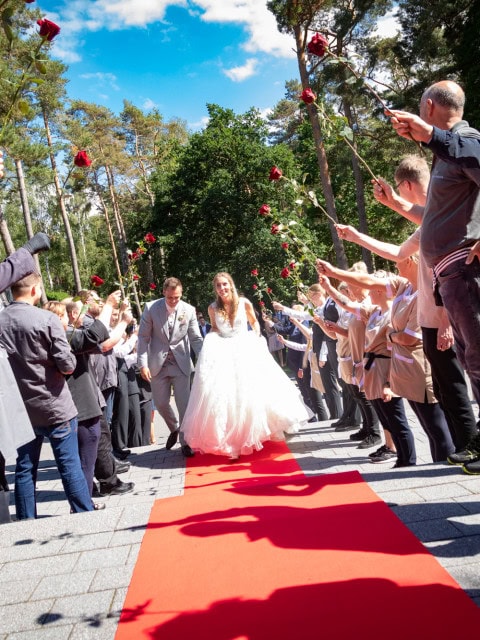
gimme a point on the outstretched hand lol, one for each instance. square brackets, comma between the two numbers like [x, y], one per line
[383, 192]
[346, 232]
[410, 126]
[114, 299]
[324, 268]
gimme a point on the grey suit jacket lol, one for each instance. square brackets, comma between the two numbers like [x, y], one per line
[154, 341]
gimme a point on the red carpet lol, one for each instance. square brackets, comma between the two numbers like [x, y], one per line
[256, 551]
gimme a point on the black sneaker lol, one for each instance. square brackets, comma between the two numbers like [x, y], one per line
[359, 435]
[385, 456]
[472, 468]
[370, 441]
[379, 451]
[471, 453]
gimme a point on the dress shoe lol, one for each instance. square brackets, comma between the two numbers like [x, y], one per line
[121, 454]
[337, 423]
[172, 439]
[118, 489]
[347, 427]
[122, 466]
[187, 451]
[313, 419]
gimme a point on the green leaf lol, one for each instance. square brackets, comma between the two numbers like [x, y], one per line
[23, 107]
[40, 66]
[347, 133]
[351, 80]
[8, 31]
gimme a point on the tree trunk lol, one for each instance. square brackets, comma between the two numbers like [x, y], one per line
[27, 218]
[300, 40]
[359, 190]
[122, 237]
[62, 207]
[5, 234]
[112, 239]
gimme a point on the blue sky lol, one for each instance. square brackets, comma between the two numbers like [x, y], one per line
[175, 55]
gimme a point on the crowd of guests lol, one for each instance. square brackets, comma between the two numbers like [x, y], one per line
[82, 374]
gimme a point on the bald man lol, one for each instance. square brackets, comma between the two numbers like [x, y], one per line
[450, 232]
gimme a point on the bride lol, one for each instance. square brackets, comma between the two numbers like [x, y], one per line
[240, 396]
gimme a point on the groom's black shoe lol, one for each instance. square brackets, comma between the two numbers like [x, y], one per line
[172, 439]
[187, 451]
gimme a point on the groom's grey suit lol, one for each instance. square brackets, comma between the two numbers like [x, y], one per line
[166, 351]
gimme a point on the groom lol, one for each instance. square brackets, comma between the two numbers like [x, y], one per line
[167, 330]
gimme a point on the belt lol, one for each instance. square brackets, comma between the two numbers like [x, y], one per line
[370, 356]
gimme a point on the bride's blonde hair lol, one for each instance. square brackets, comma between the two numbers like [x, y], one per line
[219, 302]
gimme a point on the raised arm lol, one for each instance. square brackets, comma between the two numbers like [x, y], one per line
[364, 280]
[384, 194]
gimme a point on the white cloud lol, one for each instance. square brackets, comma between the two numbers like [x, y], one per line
[196, 126]
[149, 104]
[102, 79]
[388, 26]
[260, 26]
[239, 74]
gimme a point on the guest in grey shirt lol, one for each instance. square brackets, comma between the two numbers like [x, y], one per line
[40, 357]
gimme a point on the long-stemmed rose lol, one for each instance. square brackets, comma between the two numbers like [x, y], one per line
[260, 287]
[319, 48]
[47, 32]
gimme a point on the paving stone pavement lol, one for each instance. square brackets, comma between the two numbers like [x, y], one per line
[65, 577]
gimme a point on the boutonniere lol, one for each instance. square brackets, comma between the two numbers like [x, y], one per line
[182, 319]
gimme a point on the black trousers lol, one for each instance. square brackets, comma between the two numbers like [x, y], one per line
[105, 469]
[351, 413]
[369, 416]
[393, 418]
[329, 375]
[450, 390]
[433, 422]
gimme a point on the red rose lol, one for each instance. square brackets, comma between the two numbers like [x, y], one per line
[275, 229]
[269, 290]
[149, 238]
[152, 286]
[285, 245]
[48, 29]
[261, 303]
[285, 273]
[292, 264]
[82, 159]
[254, 272]
[264, 210]
[140, 251]
[133, 255]
[134, 277]
[254, 286]
[308, 96]
[275, 173]
[318, 45]
[96, 281]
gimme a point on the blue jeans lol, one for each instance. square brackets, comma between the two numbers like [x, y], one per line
[459, 287]
[64, 443]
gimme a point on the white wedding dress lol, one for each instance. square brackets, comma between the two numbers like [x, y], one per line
[240, 396]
